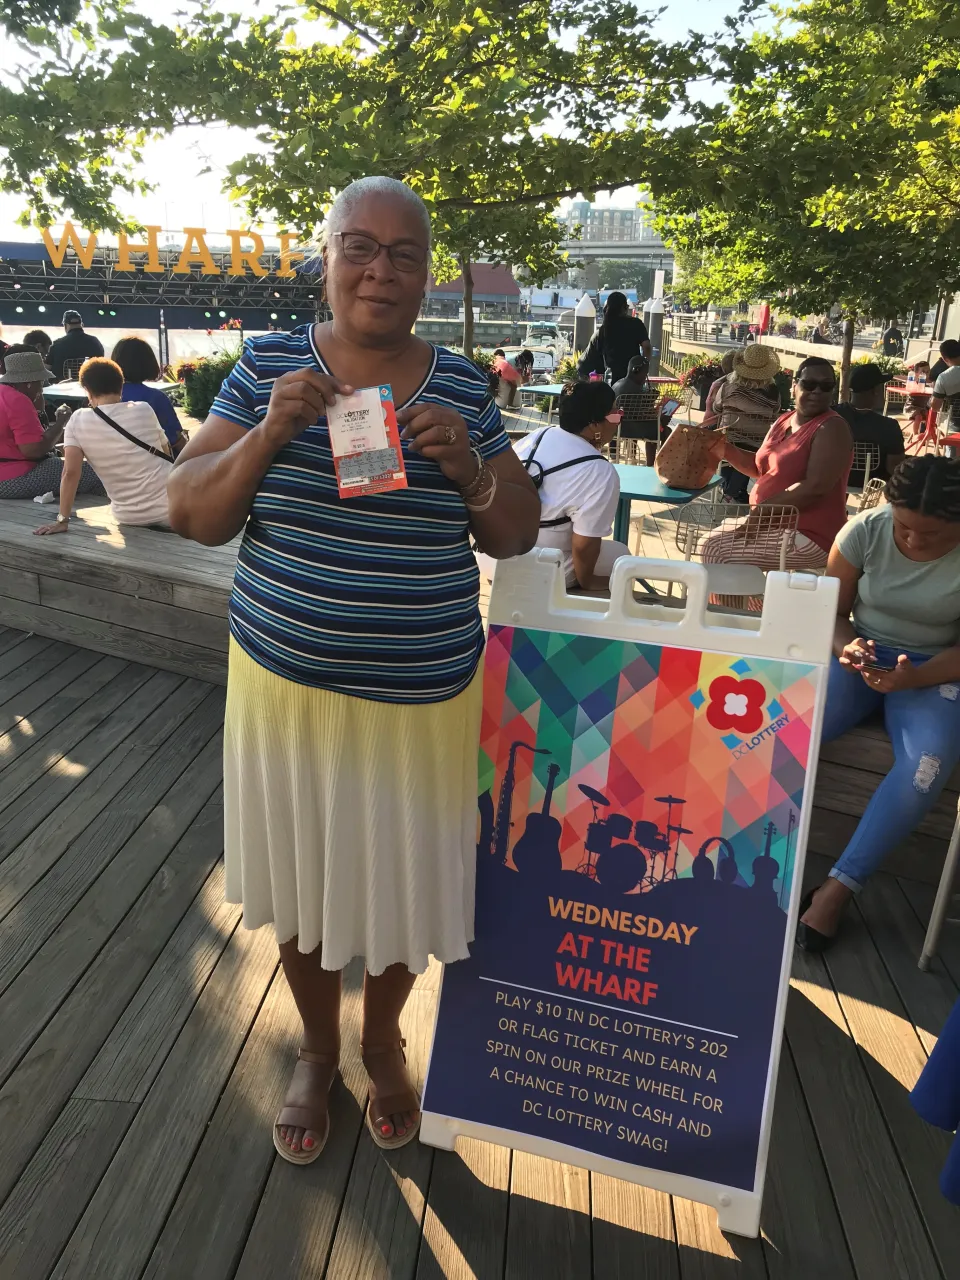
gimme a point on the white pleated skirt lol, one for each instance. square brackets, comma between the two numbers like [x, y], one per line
[349, 824]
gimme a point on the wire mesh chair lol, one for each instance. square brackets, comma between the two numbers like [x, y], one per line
[755, 539]
[640, 411]
[686, 396]
[872, 495]
[71, 369]
[866, 458]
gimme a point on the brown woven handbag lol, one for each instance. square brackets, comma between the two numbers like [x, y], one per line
[688, 459]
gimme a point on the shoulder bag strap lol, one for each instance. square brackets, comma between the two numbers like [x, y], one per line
[141, 444]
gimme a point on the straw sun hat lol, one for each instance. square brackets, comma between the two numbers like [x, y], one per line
[756, 364]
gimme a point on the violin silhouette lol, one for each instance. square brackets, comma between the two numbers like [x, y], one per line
[537, 852]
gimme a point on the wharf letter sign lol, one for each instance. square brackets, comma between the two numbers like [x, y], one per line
[244, 258]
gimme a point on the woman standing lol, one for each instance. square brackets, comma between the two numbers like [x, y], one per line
[804, 462]
[353, 699]
[620, 337]
[896, 650]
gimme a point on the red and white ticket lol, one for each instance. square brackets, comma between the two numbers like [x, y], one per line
[365, 440]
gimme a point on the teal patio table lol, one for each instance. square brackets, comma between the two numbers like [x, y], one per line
[641, 484]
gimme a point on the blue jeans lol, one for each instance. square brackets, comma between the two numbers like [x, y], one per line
[924, 729]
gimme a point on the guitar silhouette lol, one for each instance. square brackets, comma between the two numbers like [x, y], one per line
[537, 852]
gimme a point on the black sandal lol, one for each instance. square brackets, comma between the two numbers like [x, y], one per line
[808, 938]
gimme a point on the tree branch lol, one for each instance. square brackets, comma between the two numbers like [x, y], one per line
[347, 22]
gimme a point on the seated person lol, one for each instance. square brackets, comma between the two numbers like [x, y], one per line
[579, 488]
[124, 444]
[28, 466]
[648, 425]
[868, 424]
[899, 572]
[744, 404]
[710, 415]
[803, 462]
[40, 341]
[139, 366]
[946, 389]
[941, 364]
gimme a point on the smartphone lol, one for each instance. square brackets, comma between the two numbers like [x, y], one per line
[873, 666]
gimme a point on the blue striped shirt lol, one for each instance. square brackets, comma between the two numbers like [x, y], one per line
[374, 596]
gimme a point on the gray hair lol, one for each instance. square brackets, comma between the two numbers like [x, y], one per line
[350, 197]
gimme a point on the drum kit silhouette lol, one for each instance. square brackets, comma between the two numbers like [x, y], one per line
[619, 854]
[647, 859]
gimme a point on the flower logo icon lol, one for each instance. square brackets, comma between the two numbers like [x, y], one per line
[736, 704]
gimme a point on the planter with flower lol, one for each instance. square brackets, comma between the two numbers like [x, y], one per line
[201, 378]
[701, 376]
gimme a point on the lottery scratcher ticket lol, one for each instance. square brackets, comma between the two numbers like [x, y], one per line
[365, 440]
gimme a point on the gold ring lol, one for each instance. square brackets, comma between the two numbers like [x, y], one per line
[450, 434]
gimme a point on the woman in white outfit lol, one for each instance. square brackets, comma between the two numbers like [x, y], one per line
[579, 487]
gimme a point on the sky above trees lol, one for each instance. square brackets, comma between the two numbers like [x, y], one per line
[184, 195]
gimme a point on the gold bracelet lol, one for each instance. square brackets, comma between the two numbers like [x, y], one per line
[490, 495]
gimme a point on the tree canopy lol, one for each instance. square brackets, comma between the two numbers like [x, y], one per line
[491, 112]
[833, 173]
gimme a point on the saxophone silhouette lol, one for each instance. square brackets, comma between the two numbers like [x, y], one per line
[500, 845]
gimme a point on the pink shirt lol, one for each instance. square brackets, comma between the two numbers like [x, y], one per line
[19, 424]
[506, 369]
[782, 460]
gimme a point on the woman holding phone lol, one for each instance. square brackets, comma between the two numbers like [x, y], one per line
[896, 648]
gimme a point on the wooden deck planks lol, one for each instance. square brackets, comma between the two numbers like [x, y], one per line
[633, 1230]
[138, 1045]
[47, 875]
[55, 1047]
[885, 1232]
[36, 992]
[145, 1175]
[50, 1198]
[45, 774]
[150, 1039]
[34, 683]
[548, 1230]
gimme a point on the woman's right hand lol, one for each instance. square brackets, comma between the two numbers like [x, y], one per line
[297, 400]
[857, 652]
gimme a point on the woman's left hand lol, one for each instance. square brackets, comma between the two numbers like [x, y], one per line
[903, 676]
[440, 434]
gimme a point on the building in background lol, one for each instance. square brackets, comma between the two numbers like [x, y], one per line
[496, 295]
[605, 224]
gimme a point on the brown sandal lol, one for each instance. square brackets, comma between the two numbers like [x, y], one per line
[381, 1109]
[306, 1117]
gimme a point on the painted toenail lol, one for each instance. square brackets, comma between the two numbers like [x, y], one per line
[308, 1143]
[385, 1128]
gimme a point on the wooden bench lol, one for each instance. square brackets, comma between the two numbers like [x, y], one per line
[849, 772]
[140, 594]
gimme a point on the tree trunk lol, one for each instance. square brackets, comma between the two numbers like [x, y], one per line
[467, 305]
[845, 358]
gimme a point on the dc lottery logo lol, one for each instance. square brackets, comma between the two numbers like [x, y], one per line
[737, 708]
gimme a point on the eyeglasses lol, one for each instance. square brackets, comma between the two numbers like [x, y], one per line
[813, 384]
[362, 249]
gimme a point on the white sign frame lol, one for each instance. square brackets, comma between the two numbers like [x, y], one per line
[797, 624]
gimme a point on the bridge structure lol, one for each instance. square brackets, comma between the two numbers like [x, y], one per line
[650, 250]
